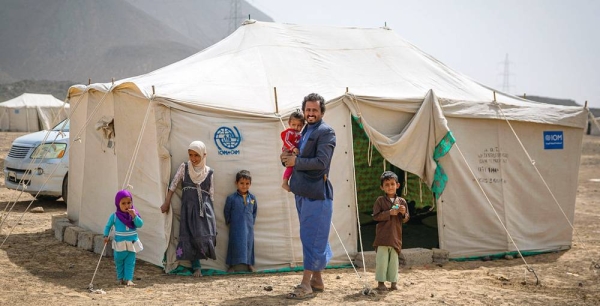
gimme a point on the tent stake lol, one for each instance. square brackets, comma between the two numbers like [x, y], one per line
[585, 104]
[276, 105]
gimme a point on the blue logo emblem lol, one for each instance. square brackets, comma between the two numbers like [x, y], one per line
[553, 140]
[227, 140]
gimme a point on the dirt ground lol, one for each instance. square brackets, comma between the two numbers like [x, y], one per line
[35, 267]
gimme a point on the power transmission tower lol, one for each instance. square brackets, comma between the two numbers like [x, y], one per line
[235, 17]
[506, 75]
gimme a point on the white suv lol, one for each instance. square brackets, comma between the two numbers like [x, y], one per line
[38, 165]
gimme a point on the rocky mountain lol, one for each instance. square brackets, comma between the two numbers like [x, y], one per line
[74, 41]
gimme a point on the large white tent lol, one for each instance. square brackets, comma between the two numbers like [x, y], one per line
[236, 94]
[31, 113]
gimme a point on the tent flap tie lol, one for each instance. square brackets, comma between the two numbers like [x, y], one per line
[440, 179]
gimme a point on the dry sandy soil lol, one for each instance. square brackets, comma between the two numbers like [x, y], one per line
[35, 267]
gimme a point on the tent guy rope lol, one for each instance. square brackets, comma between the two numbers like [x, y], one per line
[532, 161]
[497, 215]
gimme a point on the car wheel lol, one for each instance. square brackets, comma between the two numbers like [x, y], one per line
[47, 198]
[65, 188]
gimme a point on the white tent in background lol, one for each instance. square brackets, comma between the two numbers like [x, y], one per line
[235, 94]
[31, 113]
[594, 126]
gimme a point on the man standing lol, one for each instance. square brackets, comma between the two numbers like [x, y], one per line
[314, 194]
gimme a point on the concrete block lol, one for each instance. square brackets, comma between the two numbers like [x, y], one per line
[59, 229]
[72, 234]
[99, 245]
[85, 240]
[440, 256]
[59, 218]
[369, 259]
[416, 257]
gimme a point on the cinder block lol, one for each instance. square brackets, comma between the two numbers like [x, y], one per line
[99, 245]
[59, 230]
[85, 240]
[59, 218]
[369, 259]
[72, 234]
[440, 256]
[416, 257]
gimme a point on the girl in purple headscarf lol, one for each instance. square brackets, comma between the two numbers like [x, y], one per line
[126, 220]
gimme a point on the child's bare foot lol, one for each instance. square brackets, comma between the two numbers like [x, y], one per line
[286, 186]
[251, 268]
[381, 287]
[121, 282]
[197, 273]
[393, 287]
[129, 283]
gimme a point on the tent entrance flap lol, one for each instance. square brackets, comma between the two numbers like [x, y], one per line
[421, 230]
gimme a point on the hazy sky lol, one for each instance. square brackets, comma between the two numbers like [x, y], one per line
[553, 46]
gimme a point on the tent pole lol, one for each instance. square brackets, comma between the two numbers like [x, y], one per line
[494, 96]
[276, 105]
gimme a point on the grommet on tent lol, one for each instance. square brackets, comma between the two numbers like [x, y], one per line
[249, 21]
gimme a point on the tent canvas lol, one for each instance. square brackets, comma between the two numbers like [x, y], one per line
[31, 113]
[236, 96]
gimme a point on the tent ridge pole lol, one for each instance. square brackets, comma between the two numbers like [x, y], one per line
[276, 105]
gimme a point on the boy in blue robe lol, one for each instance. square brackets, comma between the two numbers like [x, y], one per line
[240, 215]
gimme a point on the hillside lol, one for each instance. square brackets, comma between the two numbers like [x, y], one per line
[60, 40]
[566, 102]
[56, 88]
[201, 21]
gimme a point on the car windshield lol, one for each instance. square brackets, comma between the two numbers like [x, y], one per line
[59, 126]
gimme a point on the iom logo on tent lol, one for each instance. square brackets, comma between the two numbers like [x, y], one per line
[227, 140]
[553, 140]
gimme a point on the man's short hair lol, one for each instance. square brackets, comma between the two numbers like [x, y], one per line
[314, 97]
[388, 175]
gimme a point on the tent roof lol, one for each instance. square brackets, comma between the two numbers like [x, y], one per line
[242, 70]
[33, 100]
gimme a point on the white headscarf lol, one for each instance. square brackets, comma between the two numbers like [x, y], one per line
[198, 173]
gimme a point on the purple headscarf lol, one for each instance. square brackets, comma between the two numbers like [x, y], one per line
[125, 217]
